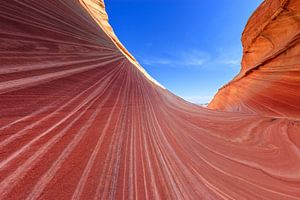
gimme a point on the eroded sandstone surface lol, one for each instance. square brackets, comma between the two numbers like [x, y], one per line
[81, 119]
[269, 80]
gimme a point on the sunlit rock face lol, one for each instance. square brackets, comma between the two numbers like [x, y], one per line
[269, 80]
[81, 119]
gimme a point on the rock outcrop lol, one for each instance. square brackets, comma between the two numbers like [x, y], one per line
[269, 80]
[81, 119]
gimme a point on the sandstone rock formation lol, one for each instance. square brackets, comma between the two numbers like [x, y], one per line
[81, 119]
[269, 80]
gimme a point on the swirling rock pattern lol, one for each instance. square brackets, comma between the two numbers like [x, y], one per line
[269, 80]
[81, 119]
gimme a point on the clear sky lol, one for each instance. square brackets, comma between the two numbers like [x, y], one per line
[192, 47]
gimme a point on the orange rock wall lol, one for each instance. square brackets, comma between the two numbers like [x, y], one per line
[269, 80]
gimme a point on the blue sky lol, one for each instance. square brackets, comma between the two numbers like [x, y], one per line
[192, 47]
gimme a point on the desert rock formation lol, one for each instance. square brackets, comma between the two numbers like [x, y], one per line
[81, 119]
[269, 80]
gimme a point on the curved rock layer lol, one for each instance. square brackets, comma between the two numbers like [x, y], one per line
[80, 119]
[269, 80]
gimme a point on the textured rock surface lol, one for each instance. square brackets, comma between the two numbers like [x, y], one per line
[269, 80]
[80, 119]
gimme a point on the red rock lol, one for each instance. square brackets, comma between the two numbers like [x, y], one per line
[269, 80]
[81, 119]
